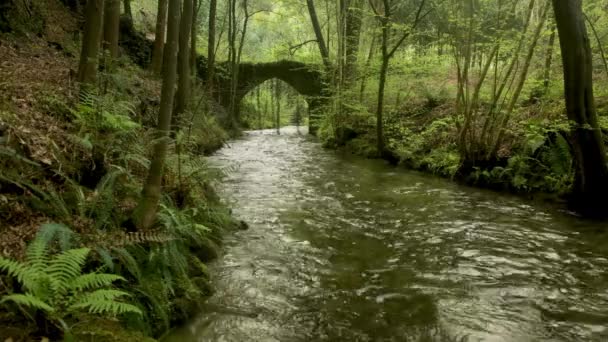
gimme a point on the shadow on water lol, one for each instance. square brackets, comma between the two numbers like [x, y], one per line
[347, 249]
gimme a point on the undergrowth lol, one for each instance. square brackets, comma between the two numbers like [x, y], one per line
[75, 167]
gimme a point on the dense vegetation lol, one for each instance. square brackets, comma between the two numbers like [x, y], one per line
[107, 212]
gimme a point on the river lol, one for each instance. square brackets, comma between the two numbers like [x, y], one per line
[346, 249]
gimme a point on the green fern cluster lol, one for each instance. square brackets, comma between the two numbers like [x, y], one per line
[56, 286]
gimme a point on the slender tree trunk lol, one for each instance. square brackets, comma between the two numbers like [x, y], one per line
[277, 88]
[128, 10]
[211, 45]
[233, 58]
[549, 60]
[258, 106]
[196, 6]
[520, 84]
[368, 62]
[159, 39]
[183, 67]
[380, 107]
[591, 172]
[599, 43]
[352, 39]
[111, 27]
[89, 56]
[146, 211]
[318, 33]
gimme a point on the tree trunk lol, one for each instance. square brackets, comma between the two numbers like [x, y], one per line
[146, 211]
[352, 37]
[368, 63]
[232, 57]
[183, 66]
[128, 11]
[159, 39]
[318, 33]
[196, 6]
[591, 172]
[277, 88]
[111, 27]
[211, 45]
[549, 60]
[87, 69]
[380, 107]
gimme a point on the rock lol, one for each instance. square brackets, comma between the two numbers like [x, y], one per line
[242, 225]
[206, 251]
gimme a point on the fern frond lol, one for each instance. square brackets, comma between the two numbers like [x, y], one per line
[36, 255]
[61, 232]
[29, 300]
[110, 307]
[22, 272]
[67, 266]
[94, 280]
[104, 302]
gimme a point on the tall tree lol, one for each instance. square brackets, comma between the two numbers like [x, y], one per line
[196, 6]
[318, 33]
[591, 171]
[159, 37]
[128, 11]
[352, 35]
[386, 21]
[183, 66]
[111, 27]
[211, 44]
[87, 69]
[146, 211]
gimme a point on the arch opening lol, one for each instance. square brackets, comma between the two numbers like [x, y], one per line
[273, 104]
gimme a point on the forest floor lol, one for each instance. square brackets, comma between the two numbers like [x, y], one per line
[80, 161]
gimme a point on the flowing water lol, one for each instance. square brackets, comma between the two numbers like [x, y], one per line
[346, 249]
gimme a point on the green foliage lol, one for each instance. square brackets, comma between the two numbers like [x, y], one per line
[104, 113]
[56, 285]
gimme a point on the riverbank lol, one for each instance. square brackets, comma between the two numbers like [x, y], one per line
[71, 174]
[422, 135]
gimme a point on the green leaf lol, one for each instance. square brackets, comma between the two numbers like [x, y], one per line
[28, 300]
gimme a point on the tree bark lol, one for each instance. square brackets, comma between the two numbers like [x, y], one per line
[87, 69]
[159, 39]
[318, 33]
[211, 44]
[128, 11]
[591, 172]
[380, 108]
[183, 65]
[111, 27]
[196, 6]
[352, 37]
[146, 212]
[549, 60]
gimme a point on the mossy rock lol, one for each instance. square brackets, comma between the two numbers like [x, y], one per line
[197, 268]
[206, 251]
[105, 330]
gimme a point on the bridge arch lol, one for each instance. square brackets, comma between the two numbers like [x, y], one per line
[306, 79]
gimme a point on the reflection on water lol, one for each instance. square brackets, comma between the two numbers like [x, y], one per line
[346, 249]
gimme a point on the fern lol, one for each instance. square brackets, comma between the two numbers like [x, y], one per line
[94, 280]
[61, 232]
[56, 286]
[28, 300]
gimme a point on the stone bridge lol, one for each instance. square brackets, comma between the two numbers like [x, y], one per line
[306, 79]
